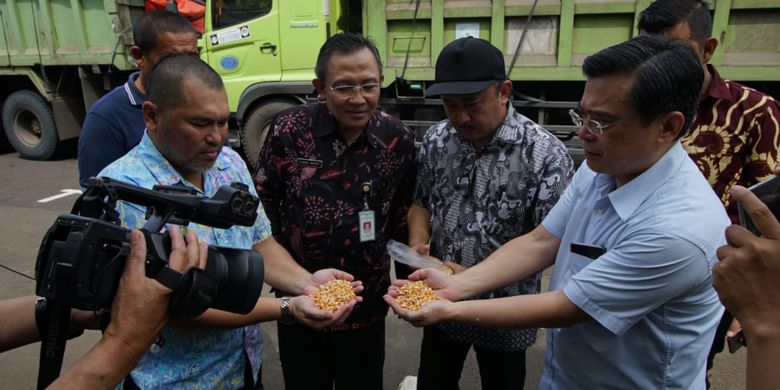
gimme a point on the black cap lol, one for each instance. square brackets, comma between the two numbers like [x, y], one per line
[465, 66]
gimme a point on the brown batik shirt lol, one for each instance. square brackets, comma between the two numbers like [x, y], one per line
[735, 137]
[309, 181]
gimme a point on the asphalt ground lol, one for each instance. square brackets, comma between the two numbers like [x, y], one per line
[24, 220]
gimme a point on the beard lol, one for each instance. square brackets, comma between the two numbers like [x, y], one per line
[189, 164]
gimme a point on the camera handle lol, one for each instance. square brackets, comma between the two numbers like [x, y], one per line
[53, 316]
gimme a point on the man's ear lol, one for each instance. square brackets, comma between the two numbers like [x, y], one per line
[709, 49]
[137, 54]
[671, 125]
[506, 91]
[151, 116]
[319, 87]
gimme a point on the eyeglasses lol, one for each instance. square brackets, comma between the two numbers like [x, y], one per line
[346, 91]
[594, 127]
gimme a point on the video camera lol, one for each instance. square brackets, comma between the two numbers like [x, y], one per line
[83, 254]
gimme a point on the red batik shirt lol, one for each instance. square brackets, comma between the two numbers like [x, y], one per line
[309, 181]
[735, 137]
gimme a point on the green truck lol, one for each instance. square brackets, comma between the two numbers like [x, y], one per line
[58, 56]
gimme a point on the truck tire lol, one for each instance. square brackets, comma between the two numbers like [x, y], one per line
[29, 125]
[255, 128]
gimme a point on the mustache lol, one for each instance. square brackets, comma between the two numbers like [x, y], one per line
[211, 147]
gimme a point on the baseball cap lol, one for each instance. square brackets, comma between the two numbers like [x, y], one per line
[465, 66]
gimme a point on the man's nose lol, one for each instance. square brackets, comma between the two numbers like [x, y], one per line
[584, 134]
[357, 97]
[461, 116]
[216, 134]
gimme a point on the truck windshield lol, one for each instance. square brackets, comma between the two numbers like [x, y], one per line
[232, 12]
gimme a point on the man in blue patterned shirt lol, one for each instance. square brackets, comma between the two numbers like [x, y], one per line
[186, 118]
[485, 176]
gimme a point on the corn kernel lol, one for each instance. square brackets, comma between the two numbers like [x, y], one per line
[413, 295]
[332, 295]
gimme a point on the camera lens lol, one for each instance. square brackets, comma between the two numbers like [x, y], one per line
[250, 207]
[239, 273]
[236, 204]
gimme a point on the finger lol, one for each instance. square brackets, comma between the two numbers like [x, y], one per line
[420, 274]
[737, 236]
[344, 311]
[177, 259]
[734, 328]
[724, 252]
[759, 213]
[399, 282]
[339, 274]
[203, 253]
[777, 169]
[136, 260]
[193, 249]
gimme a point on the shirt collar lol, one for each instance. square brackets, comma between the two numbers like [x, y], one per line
[134, 94]
[164, 172]
[328, 125]
[511, 129]
[628, 197]
[718, 88]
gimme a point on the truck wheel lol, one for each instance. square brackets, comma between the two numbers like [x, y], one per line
[29, 125]
[256, 126]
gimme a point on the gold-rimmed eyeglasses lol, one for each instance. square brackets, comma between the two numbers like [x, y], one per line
[367, 89]
[594, 127]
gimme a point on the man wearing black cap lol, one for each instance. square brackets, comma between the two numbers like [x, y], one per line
[486, 175]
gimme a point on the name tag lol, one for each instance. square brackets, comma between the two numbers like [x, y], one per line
[367, 228]
[308, 162]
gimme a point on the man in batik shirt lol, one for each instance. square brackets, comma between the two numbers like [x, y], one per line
[336, 179]
[485, 176]
[735, 137]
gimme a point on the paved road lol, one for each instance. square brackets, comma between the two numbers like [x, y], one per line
[23, 221]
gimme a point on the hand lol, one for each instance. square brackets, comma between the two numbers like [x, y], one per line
[454, 267]
[304, 310]
[140, 308]
[422, 249]
[440, 282]
[326, 275]
[429, 314]
[746, 277]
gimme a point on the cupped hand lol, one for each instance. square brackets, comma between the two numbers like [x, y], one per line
[429, 314]
[307, 313]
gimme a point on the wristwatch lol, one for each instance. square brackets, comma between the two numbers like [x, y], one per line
[287, 317]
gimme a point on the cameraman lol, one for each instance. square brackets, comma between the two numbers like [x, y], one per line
[139, 312]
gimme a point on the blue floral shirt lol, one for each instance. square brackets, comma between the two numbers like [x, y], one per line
[199, 358]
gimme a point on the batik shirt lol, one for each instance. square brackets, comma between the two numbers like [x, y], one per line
[194, 358]
[480, 199]
[310, 181]
[735, 137]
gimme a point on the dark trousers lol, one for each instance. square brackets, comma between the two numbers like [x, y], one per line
[441, 364]
[313, 360]
[719, 342]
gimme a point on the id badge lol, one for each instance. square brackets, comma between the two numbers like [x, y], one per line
[367, 228]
